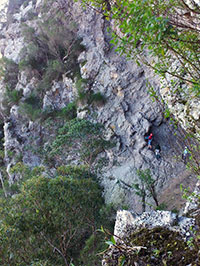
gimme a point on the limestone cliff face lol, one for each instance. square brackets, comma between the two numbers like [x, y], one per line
[128, 114]
[185, 107]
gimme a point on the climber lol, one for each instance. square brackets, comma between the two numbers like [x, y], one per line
[185, 155]
[149, 138]
[157, 152]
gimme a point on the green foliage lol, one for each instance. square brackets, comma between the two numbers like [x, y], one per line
[25, 4]
[146, 187]
[163, 207]
[52, 49]
[188, 195]
[10, 153]
[30, 16]
[74, 136]
[1, 155]
[10, 97]
[91, 98]
[9, 72]
[111, 241]
[80, 86]
[162, 246]
[13, 96]
[20, 168]
[75, 171]
[41, 263]
[31, 107]
[97, 98]
[31, 112]
[162, 29]
[66, 113]
[32, 55]
[54, 70]
[87, 96]
[93, 246]
[153, 93]
[54, 216]
[24, 173]
[145, 176]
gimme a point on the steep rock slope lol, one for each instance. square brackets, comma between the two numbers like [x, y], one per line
[128, 114]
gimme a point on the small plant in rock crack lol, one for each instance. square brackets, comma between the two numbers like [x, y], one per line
[9, 71]
[146, 187]
[13, 96]
[31, 107]
[156, 252]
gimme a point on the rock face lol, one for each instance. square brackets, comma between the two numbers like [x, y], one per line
[185, 107]
[192, 204]
[129, 113]
[127, 222]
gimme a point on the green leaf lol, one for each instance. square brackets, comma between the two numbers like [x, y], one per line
[101, 230]
[123, 261]
[111, 241]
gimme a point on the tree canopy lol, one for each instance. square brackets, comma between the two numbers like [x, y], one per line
[49, 219]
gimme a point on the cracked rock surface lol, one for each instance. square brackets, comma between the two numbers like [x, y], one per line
[129, 113]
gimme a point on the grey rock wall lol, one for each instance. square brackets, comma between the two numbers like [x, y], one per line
[128, 114]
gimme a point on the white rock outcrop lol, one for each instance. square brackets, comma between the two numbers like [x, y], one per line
[127, 222]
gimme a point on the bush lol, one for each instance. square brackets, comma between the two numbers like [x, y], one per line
[69, 112]
[95, 245]
[13, 96]
[75, 171]
[32, 56]
[9, 72]
[88, 96]
[74, 135]
[96, 98]
[31, 107]
[52, 50]
[55, 216]
[66, 113]
[31, 112]
[53, 71]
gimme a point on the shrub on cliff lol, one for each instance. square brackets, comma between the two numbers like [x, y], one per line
[52, 48]
[83, 138]
[9, 72]
[31, 107]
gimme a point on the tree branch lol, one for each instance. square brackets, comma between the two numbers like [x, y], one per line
[54, 248]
